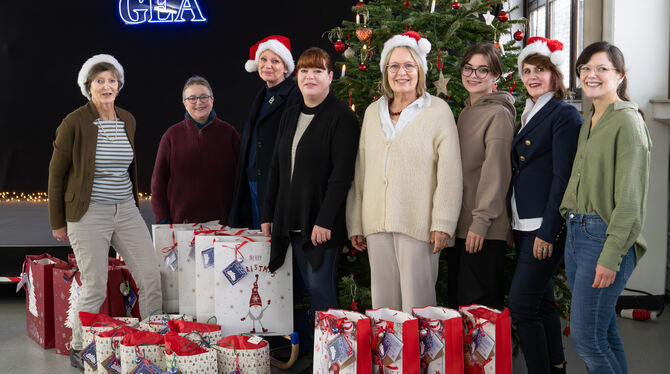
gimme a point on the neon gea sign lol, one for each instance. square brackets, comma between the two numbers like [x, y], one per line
[157, 11]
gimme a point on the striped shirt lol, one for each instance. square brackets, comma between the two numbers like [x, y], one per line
[113, 156]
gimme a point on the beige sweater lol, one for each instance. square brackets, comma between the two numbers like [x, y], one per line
[411, 184]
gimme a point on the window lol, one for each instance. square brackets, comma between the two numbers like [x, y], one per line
[562, 20]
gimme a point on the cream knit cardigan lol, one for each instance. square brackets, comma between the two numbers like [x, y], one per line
[412, 184]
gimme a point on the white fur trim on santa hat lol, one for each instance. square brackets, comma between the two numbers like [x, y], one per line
[276, 47]
[83, 72]
[557, 58]
[422, 47]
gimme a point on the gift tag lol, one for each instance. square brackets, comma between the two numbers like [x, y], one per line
[24, 280]
[482, 344]
[164, 331]
[255, 339]
[208, 257]
[236, 371]
[88, 355]
[145, 367]
[234, 272]
[425, 345]
[171, 260]
[124, 288]
[130, 300]
[339, 350]
[191, 252]
[112, 364]
[390, 347]
[436, 346]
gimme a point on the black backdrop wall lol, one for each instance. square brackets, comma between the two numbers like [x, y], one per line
[44, 43]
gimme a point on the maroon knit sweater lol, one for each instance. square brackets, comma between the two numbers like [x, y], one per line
[194, 174]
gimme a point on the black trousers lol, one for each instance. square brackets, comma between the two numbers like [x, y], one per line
[476, 278]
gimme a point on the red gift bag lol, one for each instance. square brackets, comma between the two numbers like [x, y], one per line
[37, 280]
[488, 340]
[122, 292]
[66, 285]
[395, 342]
[441, 344]
[342, 343]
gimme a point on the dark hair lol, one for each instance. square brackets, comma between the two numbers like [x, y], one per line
[616, 58]
[196, 79]
[544, 62]
[99, 68]
[489, 51]
[315, 57]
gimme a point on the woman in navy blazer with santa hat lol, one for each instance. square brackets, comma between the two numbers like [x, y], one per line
[542, 154]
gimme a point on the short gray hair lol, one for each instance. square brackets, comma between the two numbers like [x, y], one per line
[196, 80]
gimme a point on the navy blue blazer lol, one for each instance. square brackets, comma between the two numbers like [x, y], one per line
[542, 156]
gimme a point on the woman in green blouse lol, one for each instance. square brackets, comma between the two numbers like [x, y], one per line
[604, 205]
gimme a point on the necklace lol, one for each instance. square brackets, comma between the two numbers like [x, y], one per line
[272, 100]
[98, 122]
[394, 113]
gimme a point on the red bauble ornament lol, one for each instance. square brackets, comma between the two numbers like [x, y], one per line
[360, 3]
[353, 305]
[362, 67]
[339, 46]
[503, 16]
[407, 4]
[455, 5]
[518, 35]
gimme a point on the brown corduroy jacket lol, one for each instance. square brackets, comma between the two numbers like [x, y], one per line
[73, 163]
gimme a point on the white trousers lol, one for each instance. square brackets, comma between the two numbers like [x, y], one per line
[403, 271]
[122, 227]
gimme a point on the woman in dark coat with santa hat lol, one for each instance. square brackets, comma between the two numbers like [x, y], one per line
[271, 57]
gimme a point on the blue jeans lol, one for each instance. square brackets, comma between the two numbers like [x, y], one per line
[593, 321]
[533, 307]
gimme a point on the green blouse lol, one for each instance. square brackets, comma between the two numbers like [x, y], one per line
[609, 178]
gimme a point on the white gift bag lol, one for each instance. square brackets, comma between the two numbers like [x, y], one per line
[342, 342]
[249, 354]
[395, 341]
[130, 354]
[248, 297]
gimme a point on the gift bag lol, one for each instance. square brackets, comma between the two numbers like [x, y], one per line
[92, 325]
[440, 340]
[342, 342]
[122, 292]
[395, 341]
[37, 280]
[159, 322]
[211, 333]
[107, 346]
[67, 286]
[488, 341]
[248, 297]
[248, 354]
[189, 357]
[142, 349]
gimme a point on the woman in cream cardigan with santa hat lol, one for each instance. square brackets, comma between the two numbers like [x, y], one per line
[406, 195]
[542, 155]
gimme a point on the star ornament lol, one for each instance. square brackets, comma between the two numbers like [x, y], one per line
[488, 18]
[441, 84]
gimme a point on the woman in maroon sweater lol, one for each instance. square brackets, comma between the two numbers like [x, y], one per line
[196, 162]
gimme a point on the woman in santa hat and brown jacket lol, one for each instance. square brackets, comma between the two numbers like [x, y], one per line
[272, 58]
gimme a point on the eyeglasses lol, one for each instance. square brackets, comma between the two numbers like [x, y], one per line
[600, 69]
[480, 72]
[394, 68]
[194, 99]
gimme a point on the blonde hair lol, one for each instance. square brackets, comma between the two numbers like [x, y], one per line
[421, 73]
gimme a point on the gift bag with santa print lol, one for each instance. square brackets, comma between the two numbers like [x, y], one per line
[37, 280]
[248, 297]
[248, 354]
[395, 341]
[142, 352]
[185, 356]
[107, 349]
[342, 342]
[440, 340]
[488, 341]
[92, 325]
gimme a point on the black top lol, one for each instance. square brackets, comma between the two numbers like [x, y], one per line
[266, 127]
[322, 175]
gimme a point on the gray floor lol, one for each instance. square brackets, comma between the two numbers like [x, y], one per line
[647, 346]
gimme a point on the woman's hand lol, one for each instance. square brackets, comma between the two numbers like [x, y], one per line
[604, 277]
[359, 242]
[439, 239]
[320, 235]
[266, 228]
[542, 249]
[473, 242]
[60, 234]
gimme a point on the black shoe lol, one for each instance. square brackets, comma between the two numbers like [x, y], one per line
[75, 360]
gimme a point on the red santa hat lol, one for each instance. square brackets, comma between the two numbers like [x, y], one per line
[410, 39]
[255, 299]
[83, 72]
[278, 44]
[545, 47]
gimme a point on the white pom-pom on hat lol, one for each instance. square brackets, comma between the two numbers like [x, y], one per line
[86, 67]
[410, 39]
[546, 47]
[278, 44]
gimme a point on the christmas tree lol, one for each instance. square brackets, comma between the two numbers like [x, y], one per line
[451, 27]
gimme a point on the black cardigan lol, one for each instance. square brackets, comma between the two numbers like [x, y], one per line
[322, 175]
[266, 136]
